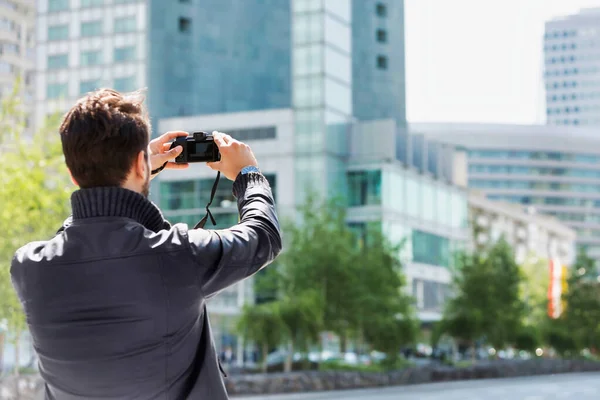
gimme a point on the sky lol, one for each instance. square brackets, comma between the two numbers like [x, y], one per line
[478, 60]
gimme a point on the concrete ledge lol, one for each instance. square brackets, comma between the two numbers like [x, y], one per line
[320, 381]
[31, 386]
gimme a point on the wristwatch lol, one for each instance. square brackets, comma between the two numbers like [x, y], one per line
[248, 169]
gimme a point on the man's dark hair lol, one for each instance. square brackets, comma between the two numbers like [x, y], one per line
[102, 136]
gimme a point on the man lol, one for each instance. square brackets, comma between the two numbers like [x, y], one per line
[116, 301]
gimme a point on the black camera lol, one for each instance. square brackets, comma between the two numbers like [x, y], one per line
[198, 147]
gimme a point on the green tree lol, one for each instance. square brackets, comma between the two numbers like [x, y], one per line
[327, 280]
[262, 325]
[34, 193]
[534, 289]
[582, 314]
[303, 320]
[487, 303]
[321, 256]
[386, 313]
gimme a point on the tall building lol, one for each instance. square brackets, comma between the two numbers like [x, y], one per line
[572, 70]
[17, 43]
[86, 44]
[219, 56]
[552, 170]
[378, 67]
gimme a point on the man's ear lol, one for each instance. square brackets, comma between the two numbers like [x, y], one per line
[141, 164]
[72, 179]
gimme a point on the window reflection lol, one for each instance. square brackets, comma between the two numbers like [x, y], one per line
[364, 187]
[430, 249]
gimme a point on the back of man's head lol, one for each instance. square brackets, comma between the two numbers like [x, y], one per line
[102, 136]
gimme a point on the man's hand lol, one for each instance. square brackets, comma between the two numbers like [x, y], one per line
[159, 152]
[235, 155]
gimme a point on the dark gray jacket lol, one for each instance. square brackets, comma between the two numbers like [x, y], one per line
[116, 301]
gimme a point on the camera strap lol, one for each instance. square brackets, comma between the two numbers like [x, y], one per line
[213, 191]
[200, 225]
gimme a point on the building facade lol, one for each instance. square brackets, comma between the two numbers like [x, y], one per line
[83, 45]
[17, 48]
[572, 69]
[530, 234]
[554, 170]
[378, 64]
[282, 53]
[427, 212]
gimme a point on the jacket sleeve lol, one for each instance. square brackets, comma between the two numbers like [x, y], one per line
[228, 256]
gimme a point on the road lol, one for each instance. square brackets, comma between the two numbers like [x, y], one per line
[585, 386]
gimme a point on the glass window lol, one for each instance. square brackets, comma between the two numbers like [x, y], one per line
[57, 90]
[429, 201]
[58, 61]
[125, 24]
[444, 210]
[337, 34]
[88, 86]
[340, 8]
[58, 32]
[90, 57]
[6, 67]
[194, 194]
[185, 25]
[308, 28]
[381, 36]
[123, 54]
[58, 5]
[125, 84]
[382, 62]
[430, 249]
[395, 193]
[91, 3]
[308, 60]
[459, 210]
[338, 96]
[308, 91]
[91, 28]
[413, 197]
[302, 6]
[381, 10]
[338, 65]
[364, 188]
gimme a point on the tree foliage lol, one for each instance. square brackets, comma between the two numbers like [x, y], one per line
[487, 302]
[328, 280]
[34, 193]
[582, 314]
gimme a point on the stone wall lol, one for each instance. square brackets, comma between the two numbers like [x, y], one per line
[316, 381]
[30, 387]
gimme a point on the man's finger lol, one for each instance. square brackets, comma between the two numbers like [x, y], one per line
[168, 155]
[172, 165]
[169, 136]
[218, 136]
[214, 165]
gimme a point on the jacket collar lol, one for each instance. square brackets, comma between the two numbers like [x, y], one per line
[117, 202]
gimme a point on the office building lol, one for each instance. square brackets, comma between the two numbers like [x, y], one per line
[83, 45]
[194, 63]
[17, 43]
[553, 170]
[428, 211]
[378, 66]
[531, 235]
[572, 70]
